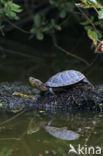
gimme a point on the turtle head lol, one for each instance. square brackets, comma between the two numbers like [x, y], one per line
[34, 82]
[37, 84]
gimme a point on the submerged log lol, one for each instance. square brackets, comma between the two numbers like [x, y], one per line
[76, 97]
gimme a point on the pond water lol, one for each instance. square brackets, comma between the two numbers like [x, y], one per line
[21, 57]
[26, 134]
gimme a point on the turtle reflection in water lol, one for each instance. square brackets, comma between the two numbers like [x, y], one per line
[62, 133]
[60, 81]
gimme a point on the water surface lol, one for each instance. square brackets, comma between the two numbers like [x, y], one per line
[38, 142]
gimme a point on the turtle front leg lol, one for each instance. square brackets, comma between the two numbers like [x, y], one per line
[51, 91]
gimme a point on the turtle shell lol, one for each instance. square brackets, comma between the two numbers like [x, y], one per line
[65, 78]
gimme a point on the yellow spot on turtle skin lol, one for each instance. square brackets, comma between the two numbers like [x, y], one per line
[0, 104]
[37, 84]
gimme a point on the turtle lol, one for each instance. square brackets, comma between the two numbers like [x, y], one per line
[60, 80]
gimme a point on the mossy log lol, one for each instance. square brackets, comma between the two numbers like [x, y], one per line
[77, 97]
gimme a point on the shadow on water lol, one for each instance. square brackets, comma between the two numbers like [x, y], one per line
[26, 135]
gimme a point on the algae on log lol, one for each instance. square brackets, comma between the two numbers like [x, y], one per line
[76, 97]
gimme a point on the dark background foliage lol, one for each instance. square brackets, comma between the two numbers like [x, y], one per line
[44, 37]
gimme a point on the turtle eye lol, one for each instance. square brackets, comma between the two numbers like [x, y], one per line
[31, 78]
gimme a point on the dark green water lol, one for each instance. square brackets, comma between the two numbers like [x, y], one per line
[25, 135]
[21, 57]
[19, 134]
